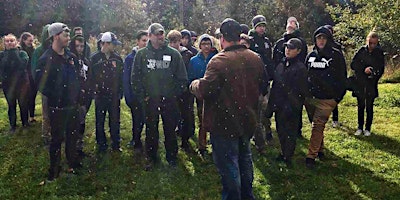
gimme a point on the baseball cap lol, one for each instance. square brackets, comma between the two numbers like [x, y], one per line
[293, 43]
[155, 28]
[230, 29]
[110, 37]
[56, 28]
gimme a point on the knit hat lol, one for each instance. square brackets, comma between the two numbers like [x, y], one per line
[186, 32]
[230, 29]
[205, 37]
[257, 20]
[291, 19]
[56, 28]
[245, 28]
[193, 34]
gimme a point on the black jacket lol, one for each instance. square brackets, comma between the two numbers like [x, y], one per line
[107, 75]
[289, 87]
[326, 70]
[262, 46]
[13, 66]
[279, 48]
[58, 78]
[367, 85]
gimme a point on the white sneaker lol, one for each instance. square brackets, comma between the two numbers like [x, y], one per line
[358, 132]
[367, 133]
[335, 124]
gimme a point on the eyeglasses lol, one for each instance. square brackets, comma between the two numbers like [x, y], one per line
[205, 44]
[80, 45]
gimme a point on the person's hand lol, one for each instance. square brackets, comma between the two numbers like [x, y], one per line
[368, 70]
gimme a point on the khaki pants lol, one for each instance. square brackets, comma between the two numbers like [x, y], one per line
[318, 111]
[46, 121]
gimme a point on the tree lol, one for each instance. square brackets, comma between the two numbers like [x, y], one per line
[356, 19]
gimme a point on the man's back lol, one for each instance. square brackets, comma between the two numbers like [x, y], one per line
[231, 86]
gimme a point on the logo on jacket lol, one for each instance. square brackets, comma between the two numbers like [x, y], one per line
[324, 63]
[153, 64]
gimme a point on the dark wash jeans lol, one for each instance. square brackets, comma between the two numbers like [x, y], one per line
[233, 159]
[112, 106]
[64, 123]
[168, 109]
[137, 113]
[365, 103]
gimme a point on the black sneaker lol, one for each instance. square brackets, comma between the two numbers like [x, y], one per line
[321, 156]
[53, 174]
[172, 163]
[288, 163]
[116, 149]
[187, 147]
[12, 130]
[310, 163]
[130, 145]
[149, 165]
[280, 158]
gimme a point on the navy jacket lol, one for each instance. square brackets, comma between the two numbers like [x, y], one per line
[58, 78]
[107, 75]
[126, 78]
[289, 87]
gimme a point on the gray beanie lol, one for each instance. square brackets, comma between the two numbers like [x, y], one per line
[206, 37]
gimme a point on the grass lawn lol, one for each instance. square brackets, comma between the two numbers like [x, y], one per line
[356, 167]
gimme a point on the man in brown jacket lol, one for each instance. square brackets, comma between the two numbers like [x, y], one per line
[230, 88]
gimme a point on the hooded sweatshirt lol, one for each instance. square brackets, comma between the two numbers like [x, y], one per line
[326, 70]
[158, 72]
[190, 43]
[40, 50]
[279, 48]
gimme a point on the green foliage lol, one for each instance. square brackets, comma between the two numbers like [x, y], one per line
[310, 14]
[356, 20]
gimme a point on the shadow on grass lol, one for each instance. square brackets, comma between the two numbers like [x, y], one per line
[333, 178]
[379, 141]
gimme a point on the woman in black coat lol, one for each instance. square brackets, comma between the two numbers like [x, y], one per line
[368, 65]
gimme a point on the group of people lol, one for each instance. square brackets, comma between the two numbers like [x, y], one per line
[231, 86]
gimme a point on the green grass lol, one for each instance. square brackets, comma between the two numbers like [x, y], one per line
[356, 167]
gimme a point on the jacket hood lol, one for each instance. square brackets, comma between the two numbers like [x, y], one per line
[184, 33]
[45, 34]
[325, 31]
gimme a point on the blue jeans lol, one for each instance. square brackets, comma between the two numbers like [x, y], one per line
[233, 159]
